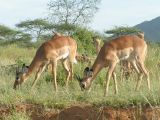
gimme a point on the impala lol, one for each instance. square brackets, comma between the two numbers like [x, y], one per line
[97, 44]
[58, 48]
[140, 35]
[130, 48]
[125, 66]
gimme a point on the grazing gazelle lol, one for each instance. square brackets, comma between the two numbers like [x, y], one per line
[126, 68]
[97, 44]
[125, 65]
[58, 48]
[130, 48]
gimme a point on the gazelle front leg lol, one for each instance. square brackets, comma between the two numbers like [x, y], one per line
[115, 82]
[54, 71]
[39, 72]
[71, 71]
[109, 74]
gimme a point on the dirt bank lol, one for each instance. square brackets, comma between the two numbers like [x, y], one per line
[37, 112]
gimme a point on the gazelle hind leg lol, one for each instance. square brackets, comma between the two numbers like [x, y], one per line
[138, 71]
[146, 73]
[121, 71]
[139, 81]
[38, 74]
[135, 67]
[54, 71]
[65, 65]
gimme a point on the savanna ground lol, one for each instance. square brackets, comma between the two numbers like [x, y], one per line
[25, 104]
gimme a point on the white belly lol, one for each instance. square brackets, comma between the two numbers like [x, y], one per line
[124, 57]
[125, 53]
[63, 56]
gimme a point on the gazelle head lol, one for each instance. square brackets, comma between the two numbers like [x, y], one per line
[141, 35]
[86, 81]
[20, 75]
[96, 40]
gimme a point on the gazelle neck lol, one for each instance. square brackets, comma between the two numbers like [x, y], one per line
[97, 66]
[97, 45]
[33, 66]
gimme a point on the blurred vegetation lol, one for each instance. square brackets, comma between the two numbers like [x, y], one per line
[8, 34]
[84, 39]
[74, 12]
[17, 116]
[43, 29]
[67, 17]
[122, 30]
[37, 28]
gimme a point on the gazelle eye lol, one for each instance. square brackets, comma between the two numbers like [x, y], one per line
[89, 74]
[17, 78]
[83, 85]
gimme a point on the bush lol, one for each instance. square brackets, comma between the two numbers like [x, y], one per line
[83, 36]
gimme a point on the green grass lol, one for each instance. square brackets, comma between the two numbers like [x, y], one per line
[44, 93]
[17, 116]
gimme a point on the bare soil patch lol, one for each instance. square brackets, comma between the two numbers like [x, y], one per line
[85, 112]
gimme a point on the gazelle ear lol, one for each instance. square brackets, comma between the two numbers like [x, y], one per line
[86, 69]
[24, 68]
[88, 72]
[91, 72]
[27, 66]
